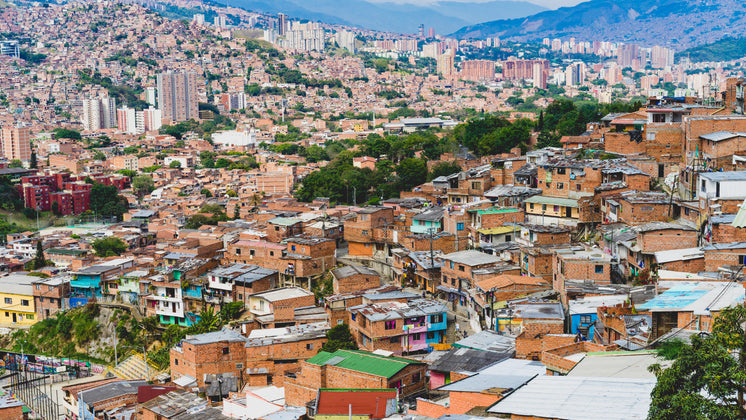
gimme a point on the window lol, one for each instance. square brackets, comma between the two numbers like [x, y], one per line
[363, 217]
[459, 226]
[742, 259]
[226, 350]
[451, 264]
[531, 206]
[292, 247]
[271, 253]
[417, 337]
[560, 171]
[8, 301]
[436, 319]
[309, 346]
[365, 233]
[7, 314]
[240, 297]
[476, 185]
[577, 187]
[277, 228]
[389, 325]
[38, 287]
[416, 377]
[353, 315]
[41, 298]
[599, 269]
[585, 319]
[238, 251]
[394, 340]
[340, 321]
[252, 252]
[453, 281]
[29, 316]
[24, 302]
[461, 268]
[560, 185]
[176, 362]
[431, 335]
[703, 186]
[556, 209]
[543, 207]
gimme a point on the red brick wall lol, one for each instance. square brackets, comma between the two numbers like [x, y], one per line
[661, 240]
[715, 259]
[198, 360]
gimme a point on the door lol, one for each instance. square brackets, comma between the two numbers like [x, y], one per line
[568, 211]
[14, 318]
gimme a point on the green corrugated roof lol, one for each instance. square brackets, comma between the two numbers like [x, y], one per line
[362, 361]
[66, 251]
[554, 201]
[497, 210]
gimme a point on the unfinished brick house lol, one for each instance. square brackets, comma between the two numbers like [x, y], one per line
[218, 352]
[270, 353]
[353, 369]
[354, 277]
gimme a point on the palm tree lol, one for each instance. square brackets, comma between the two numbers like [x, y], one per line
[208, 321]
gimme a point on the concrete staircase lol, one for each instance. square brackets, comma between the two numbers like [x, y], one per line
[135, 367]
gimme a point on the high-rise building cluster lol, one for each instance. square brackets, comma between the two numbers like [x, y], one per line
[308, 36]
[478, 70]
[10, 48]
[99, 113]
[131, 121]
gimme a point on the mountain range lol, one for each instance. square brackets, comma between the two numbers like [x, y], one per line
[675, 23]
[444, 16]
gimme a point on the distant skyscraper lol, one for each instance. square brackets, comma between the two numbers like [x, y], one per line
[539, 75]
[431, 33]
[282, 24]
[421, 30]
[99, 113]
[15, 143]
[478, 70]
[220, 21]
[346, 39]
[177, 97]
[150, 96]
[199, 19]
[305, 37]
[522, 69]
[445, 65]
[127, 121]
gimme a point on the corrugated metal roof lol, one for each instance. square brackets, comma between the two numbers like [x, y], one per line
[375, 403]
[579, 398]
[724, 176]
[554, 201]
[739, 220]
[361, 361]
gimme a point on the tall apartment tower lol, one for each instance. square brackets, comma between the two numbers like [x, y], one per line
[282, 24]
[99, 113]
[177, 97]
[15, 143]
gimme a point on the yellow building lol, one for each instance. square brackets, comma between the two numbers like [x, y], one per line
[17, 299]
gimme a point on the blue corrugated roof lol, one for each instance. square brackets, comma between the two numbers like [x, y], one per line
[675, 297]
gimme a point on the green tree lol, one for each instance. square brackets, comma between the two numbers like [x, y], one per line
[175, 165]
[143, 185]
[412, 172]
[108, 247]
[444, 169]
[99, 155]
[33, 163]
[206, 192]
[106, 201]
[705, 380]
[207, 159]
[339, 338]
[15, 163]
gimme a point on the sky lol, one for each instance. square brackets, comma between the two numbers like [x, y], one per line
[549, 4]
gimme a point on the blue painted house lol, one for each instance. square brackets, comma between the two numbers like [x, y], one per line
[87, 282]
[428, 221]
[583, 312]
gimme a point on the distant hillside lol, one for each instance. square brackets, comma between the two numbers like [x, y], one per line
[675, 23]
[727, 49]
[445, 17]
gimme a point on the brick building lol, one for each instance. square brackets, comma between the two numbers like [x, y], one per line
[270, 353]
[279, 308]
[354, 277]
[399, 327]
[354, 369]
[219, 352]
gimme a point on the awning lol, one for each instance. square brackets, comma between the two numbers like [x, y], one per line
[451, 290]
